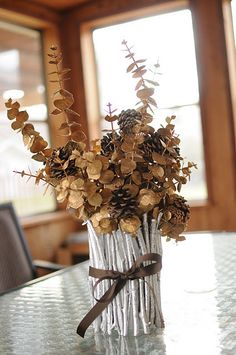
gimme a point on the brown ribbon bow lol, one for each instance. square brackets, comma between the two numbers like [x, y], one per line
[137, 271]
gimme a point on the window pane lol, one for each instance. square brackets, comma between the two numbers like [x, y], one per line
[189, 131]
[28, 198]
[21, 78]
[168, 39]
[21, 72]
[233, 7]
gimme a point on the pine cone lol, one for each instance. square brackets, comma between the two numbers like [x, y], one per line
[107, 146]
[59, 158]
[128, 119]
[66, 151]
[179, 209]
[122, 204]
[152, 143]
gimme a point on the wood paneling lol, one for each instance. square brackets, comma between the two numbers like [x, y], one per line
[59, 4]
[94, 10]
[45, 234]
[27, 13]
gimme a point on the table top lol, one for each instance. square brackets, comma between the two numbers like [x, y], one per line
[198, 283]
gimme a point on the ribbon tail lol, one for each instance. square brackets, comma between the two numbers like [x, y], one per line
[100, 306]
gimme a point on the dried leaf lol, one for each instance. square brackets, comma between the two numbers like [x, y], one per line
[111, 118]
[139, 84]
[94, 169]
[106, 195]
[152, 101]
[127, 145]
[64, 71]
[39, 157]
[47, 152]
[75, 199]
[140, 60]
[95, 200]
[145, 93]
[139, 73]
[169, 119]
[22, 116]
[64, 125]
[15, 105]
[165, 132]
[131, 67]
[8, 104]
[147, 176]
[180, 238]
[29, 129]
[136, 177]
[127, 166]
[17, 125]
[160, 159]
[77, 184]
[130, 224]
[56, 112]
[130, 55]
[12, 113]
[147, 199]
[38, 145]
[78, 136]
[53, 61]
[27, 140]
[141, 67]
[72, 112]
[64, 103]
[157, 171]
[66, 93]
[107, 177]
[90, 188]
[155, 83]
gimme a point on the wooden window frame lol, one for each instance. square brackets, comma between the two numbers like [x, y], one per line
[47, 22]
[218, 212]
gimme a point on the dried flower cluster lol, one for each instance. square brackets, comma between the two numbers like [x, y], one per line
[132, 171]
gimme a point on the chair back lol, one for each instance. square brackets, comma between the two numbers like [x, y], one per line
[16, 266]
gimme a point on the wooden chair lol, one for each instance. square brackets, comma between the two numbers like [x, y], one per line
[16, 264]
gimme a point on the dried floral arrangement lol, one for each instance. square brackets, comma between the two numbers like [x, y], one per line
[132, 171]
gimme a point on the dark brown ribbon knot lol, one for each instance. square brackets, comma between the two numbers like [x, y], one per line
[137, 271]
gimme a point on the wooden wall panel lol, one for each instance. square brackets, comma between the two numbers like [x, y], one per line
[27, 13]
[46, 234]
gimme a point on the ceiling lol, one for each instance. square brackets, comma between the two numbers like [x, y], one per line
[60, 5]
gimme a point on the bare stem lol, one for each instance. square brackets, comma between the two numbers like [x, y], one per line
[23, 173]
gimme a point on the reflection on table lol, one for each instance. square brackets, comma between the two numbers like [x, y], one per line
[198, 297]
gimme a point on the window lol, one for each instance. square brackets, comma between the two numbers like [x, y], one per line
[233, 7]
[215, 210]
[168, 38]
[22, 79]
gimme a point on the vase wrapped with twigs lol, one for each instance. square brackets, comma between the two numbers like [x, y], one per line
[126, 187]
[137, 307]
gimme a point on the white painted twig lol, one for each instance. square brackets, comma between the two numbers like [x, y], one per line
[134, 288]
[141, 290]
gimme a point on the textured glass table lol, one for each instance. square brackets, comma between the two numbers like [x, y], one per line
[198, 297]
